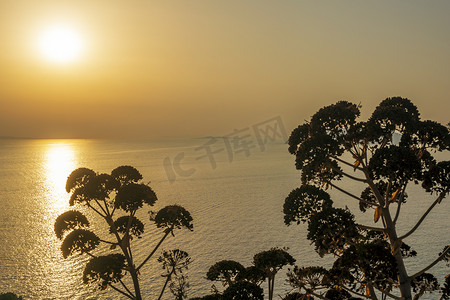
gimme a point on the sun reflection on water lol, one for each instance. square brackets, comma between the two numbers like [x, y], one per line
[60, 161]
[51, 273]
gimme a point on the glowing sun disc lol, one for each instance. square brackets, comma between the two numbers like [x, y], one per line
[60, 44]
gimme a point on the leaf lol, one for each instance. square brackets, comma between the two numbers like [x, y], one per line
[356, 164]
[394, 195]
[377, 214]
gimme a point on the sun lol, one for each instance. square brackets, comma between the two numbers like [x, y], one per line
[60, 44]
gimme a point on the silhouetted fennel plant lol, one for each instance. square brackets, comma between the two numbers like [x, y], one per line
[174, 262]
[225, 271]
[270, 262]
[385, 154]
[244, 282]
[116, 198]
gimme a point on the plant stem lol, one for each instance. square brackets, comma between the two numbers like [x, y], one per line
[154, 250]
[403, 278]
[165, 283]
[447, 249]
[120, 291]
[421, 219]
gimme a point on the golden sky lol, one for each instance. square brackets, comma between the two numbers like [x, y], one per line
[169, 69]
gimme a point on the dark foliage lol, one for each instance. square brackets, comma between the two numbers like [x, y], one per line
[104, 270]
[407, 251]
[272, 260]
[121, 224]
[387, 152]
[173, 216]
[10, 296]
[331, 230]
[337, 294]
[382, 186]
[132, 196]
[308, 278]
[394, 114]
[303, 202]
[107, 195]
[437, 179]
[174, 260]
[365, 263]
[78, 178]
[91, 187]
[395, 164]
[225, 271]
[243, 290]
[297, 296]
[425, 282]
[79, 240]
[126, 174]
[69, 220]
[252, 274]
[446, 288]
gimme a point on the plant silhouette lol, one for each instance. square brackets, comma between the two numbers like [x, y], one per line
[116, 198]
[384, 155]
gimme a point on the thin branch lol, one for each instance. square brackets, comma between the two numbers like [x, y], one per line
[346, 163]
[108, 242]
[348, 175]
[373, 187]
[400, 201]
[93, 208]
[120, 291]
[130, 219]
[351, 195]
[107, 210]
[154, 250]
[98, 203]
[123, 284]
[421, 219]
[443, 254]
[389, 294]
[127, 257]
[165, 283]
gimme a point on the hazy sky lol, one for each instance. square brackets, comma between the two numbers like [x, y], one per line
[168, 69]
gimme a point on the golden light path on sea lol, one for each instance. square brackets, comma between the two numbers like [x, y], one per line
[60, 161]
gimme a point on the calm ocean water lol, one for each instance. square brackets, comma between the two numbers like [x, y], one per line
[236, 201]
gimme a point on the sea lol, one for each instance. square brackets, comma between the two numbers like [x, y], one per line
[234, 190]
